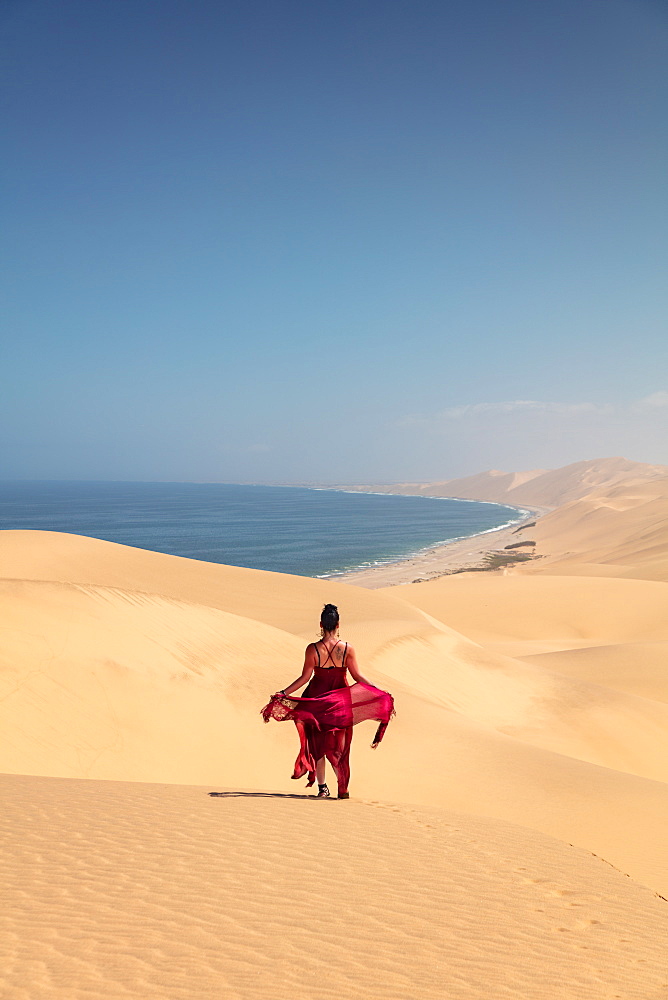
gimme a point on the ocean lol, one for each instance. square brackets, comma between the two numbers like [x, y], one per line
[288, 529]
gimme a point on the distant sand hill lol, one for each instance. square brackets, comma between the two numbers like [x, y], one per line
[507, 839]
[619, 530]
[539, 487]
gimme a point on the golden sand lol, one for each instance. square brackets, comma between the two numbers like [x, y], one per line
[118, 889]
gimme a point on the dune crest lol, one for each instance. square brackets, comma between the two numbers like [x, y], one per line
[537, 487]
[620, 531]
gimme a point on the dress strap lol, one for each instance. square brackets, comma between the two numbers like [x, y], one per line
[317, 651]
[329, 655]
[343, 661]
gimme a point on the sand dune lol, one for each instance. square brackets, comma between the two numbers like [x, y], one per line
[559, 486]
[529, 749]
[114, 649]
[161, 891]
[107, 683]
[489, 485]
[634, 667]
[537, 487]
[567, 628]
[621, 531]
[290, 602]
[494, 608]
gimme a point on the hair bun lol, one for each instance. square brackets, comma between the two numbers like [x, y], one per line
[329, 619]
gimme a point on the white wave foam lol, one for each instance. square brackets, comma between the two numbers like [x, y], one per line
[397, 560]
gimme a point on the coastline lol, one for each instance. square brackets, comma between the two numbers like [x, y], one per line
[456, 556]
[256, 526]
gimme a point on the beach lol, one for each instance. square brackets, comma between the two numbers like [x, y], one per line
[506, 839]
[458, 556]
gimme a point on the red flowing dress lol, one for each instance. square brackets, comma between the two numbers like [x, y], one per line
[325, 715]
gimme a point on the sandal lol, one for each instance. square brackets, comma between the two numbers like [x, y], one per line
[323, 792]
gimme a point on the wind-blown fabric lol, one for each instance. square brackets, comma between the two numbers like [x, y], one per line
[325, 723]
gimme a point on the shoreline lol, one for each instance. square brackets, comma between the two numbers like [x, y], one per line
[456, 556]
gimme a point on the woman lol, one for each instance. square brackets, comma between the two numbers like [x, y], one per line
[329, 708]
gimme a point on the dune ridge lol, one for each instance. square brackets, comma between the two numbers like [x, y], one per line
[620, 531]
[536, 487]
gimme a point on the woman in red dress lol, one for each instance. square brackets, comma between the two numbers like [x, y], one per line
[329, 707]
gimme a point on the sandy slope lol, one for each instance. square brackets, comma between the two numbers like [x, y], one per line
[634, 667]
[621, 531]
[215, 897]
[489, 485]
[276, 599]
[550, 622]
[494, 608]
[538, 487]
[121, 664]
[559, 486]
[162, 891]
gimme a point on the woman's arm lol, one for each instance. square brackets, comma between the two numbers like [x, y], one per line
[351, 663]
[306, 674]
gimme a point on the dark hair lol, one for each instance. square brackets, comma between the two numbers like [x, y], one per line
[329, 618]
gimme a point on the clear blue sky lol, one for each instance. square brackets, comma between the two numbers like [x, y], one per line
[332, 240]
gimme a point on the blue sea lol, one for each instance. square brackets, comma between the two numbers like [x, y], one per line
[308, 532]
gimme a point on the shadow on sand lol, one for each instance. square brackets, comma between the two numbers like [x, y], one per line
[259, 795]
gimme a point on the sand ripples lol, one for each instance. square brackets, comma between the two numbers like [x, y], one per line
[129, 890]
